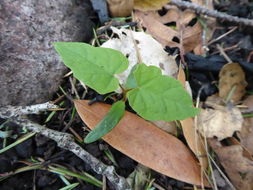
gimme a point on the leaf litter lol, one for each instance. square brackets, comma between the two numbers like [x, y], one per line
[166, 154]
[241, 174]
[220, 122]
[175, 28]
[246, 134]
[215, 116]
[147, 50]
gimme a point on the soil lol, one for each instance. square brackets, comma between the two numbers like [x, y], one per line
[46, 150]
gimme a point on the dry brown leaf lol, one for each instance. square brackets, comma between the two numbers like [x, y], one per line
[120, 8]
[194, 141]
[149, 5]
[168, 36]
[169, 127]
[234, 141]
[246, 134]
[145, 143]
[232, 82]
[220, 122]
[155, 25]
[238, 168]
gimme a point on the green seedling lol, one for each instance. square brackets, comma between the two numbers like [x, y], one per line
[152, 95]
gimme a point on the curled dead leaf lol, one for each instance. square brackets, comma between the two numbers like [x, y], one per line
[232, 82]
[120, 8]
[145, 143]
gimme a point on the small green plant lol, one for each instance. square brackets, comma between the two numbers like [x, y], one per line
[152, 95]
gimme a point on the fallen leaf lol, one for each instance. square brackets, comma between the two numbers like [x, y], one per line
[232, 82]
[238, 168]
[145, 143]
[220, 122]
[149, 5]
[193, 139]
[169, 127]
[186, 27]
[120, 8]
[132, 44]
[246, 134]
[234, 141]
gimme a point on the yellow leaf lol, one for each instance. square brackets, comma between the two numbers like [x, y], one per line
[148, 5]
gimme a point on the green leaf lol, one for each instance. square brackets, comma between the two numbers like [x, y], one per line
[95, 66]
[111, 119]
[131, 82]
[159, 97]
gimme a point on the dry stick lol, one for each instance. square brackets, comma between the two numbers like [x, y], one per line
[64, 140]
[222, 52]
[222, 36]
[212, 13]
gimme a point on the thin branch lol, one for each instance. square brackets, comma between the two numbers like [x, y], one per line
[212, 13]
[64, 140]
[11, 111]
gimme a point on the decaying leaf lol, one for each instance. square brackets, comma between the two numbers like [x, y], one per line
[145, 143]
[238, 168]
[149, 5]
[220, 122]
[138, 46]
[184, 27]
[120, 8]
[246, 134]
[232, 82]
[194, 140]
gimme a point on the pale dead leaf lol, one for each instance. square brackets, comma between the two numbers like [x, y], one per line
[149, 5]
[194, 141]
[238, 168]
[246, 134]
[232, 82]
[120, 8]
[145, 143]
[220, 122]
[149, 50]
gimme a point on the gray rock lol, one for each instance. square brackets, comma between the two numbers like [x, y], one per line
[30, 69]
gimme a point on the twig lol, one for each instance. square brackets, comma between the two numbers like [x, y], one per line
[222, 52]
[11, 111]
[212, 13]
[64, 140]
[222, 36]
